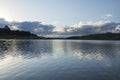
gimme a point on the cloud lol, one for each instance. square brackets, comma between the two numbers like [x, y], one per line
[32, 26]
[3, 22]
[118, 28]
[81, 28]
[90, 27]
[107, 16]
[35, 27]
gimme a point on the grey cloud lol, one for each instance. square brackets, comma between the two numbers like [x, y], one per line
[92, 29]
[35, 27]
[32, 26]
[3, 22]
[47, 29]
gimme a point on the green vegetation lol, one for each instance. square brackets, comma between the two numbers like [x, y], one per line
[104, 36]
[6, 33]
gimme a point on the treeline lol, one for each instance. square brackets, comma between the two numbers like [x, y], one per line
[11, 34]
[103, 36]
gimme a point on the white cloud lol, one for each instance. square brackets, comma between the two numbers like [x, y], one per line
[107, 16]
[90, 27]
[81, 28]
[15, 28]
[99, 23]
[32, 26]
[118, 28]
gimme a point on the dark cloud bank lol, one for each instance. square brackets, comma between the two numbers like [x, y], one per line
[47, 29]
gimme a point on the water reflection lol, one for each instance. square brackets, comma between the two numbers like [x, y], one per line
[8, 48]
[59, 60]
[25, 48]
[95, 50]
[36, 48]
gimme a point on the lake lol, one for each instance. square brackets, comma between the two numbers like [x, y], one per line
[59, 60]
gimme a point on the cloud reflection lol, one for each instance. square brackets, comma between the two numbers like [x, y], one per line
[34, 48]
[25, 48]
[34, 57]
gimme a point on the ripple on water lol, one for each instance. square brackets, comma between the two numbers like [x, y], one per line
[59, 60]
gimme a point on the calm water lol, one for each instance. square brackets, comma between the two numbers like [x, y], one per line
[59, 60]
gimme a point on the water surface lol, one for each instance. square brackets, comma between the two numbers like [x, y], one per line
[59, 60]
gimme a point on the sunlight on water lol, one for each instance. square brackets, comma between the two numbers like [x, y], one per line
[59, 60]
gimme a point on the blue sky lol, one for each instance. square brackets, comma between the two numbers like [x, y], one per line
[60, 12]
[55, 15]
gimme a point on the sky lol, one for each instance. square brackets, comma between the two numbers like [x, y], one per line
[60, 13]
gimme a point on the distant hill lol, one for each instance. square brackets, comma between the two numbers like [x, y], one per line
[6, 33]
[103, 36]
